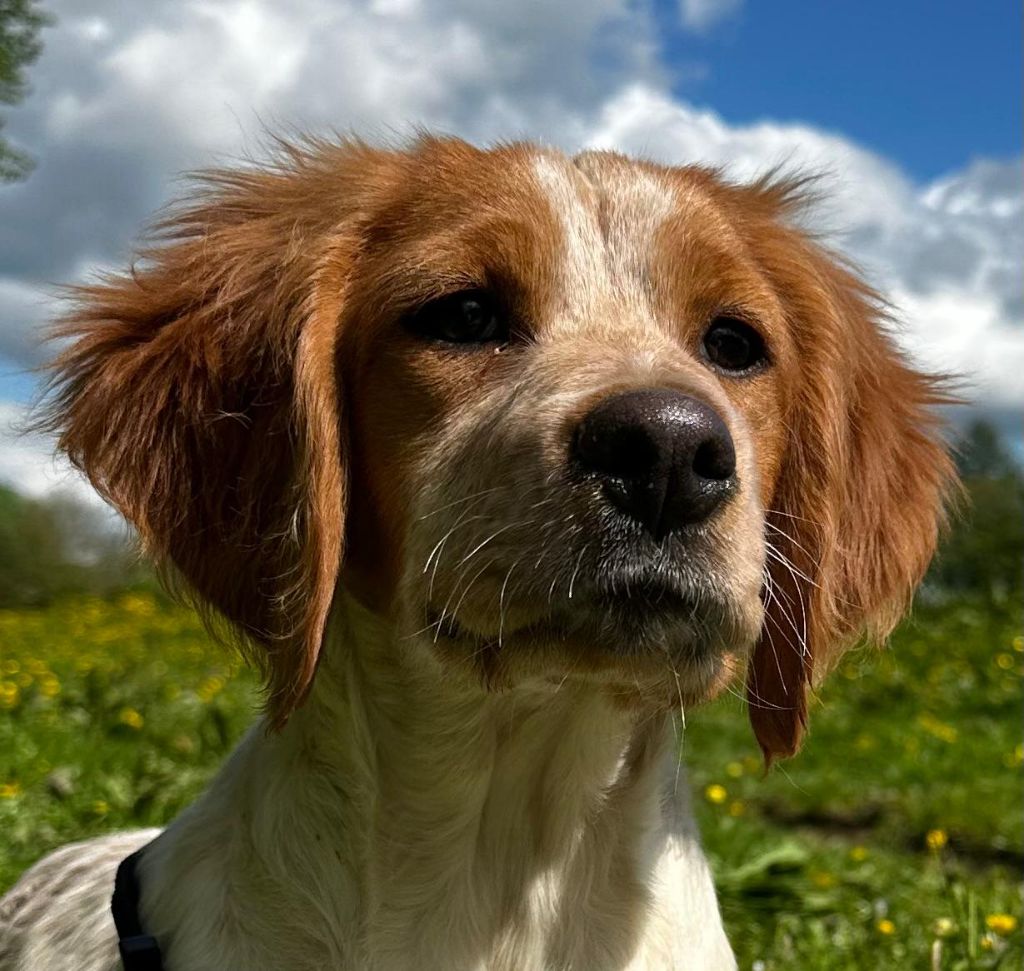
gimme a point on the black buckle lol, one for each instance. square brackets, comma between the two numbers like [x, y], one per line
[140, 953]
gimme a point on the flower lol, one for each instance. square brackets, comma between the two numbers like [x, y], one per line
[886, 927]
[944, 927]
[936, 839]
[734, 770]
[100, 807]
[9, 790]
[131, 718]
[1001, 924]
[932, 725]
[716, 793]
[8, 694]
[737, 808]
[859, 854]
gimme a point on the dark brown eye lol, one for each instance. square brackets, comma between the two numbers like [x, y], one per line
[466, 317]
[733, 345]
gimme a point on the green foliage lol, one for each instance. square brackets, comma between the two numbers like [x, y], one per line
[20, 24]
[983, 555]
[50, 548]
[901, 815]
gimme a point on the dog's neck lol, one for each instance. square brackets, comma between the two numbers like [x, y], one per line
[414, 815]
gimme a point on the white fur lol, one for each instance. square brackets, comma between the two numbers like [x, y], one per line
[404, 822]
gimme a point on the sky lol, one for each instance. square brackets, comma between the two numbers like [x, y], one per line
[910, 110]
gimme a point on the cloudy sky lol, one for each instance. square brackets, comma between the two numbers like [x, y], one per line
[912, 110]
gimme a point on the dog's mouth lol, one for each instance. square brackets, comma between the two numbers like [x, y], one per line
[625, 619]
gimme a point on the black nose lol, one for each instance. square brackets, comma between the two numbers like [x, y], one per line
[663, 457]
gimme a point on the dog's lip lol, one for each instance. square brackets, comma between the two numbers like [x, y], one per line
[632, 602]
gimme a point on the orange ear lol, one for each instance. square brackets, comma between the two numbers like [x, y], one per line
[856, 512]
[199, 396]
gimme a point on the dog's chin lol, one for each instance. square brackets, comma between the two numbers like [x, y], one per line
[660, 646]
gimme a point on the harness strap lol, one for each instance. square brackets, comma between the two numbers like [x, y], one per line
[139, 951]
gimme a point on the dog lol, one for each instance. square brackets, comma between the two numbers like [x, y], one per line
[495, 462]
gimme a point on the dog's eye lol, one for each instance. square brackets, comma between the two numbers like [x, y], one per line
[733, 345]
[466, 317]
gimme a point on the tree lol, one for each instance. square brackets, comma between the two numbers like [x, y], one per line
[53, 547]
[20, 23]
[983, 554]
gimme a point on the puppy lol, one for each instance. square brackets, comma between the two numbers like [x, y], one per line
[495, 462]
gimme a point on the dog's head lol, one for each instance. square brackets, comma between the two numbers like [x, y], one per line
[554, 417]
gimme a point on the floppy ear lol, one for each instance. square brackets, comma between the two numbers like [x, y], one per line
[859, 501]
[199, 395]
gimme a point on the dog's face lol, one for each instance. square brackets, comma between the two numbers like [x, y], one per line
[586, 418]
[566, 389]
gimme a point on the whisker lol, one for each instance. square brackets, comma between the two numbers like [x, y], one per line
[575, 573]
[504, 529]
[501, 601]
[458, 502]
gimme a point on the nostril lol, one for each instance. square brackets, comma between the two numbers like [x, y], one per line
[714, 459]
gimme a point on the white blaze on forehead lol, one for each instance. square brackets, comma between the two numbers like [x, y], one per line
[583, 268]
[610, 213]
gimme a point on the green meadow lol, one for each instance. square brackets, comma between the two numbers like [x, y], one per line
[894, 840]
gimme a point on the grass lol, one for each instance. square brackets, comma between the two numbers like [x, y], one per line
[895, 840]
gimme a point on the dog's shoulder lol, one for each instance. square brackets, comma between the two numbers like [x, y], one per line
[57, 916]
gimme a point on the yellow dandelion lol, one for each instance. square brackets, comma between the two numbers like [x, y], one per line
[734, 770]
[936, 839]
[49, 686]
[822, 879]
[100, 807]
[9, 693]
[886, 927]
[1001, 924]
[209, 688]
[10, 666]
[937, 728]
[1018, 643]
[987, 942]
[944, 927]
[131, 718]
[1004, 661]
[8, 790]
[737, 808]
[716, 793]
[859, 854]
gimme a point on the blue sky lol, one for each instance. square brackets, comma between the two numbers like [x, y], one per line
[929, 84]
[912, 110]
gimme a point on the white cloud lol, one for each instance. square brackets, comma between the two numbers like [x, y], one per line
[700, 15]
[29, 462]
[127, 95]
